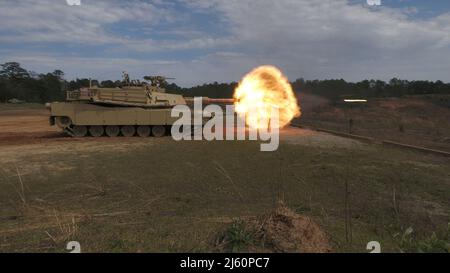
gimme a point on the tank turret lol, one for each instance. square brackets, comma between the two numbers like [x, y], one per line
[131, 93]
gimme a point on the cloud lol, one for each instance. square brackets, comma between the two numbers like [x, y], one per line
[55, 21]
[331, 38]
[310, 39]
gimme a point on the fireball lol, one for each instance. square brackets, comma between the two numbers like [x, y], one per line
[262, 90]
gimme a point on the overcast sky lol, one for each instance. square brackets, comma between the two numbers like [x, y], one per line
[198, 41]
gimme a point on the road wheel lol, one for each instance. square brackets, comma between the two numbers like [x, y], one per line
[112, 131]
[158, 130]
[143, 131]
[79, 130]
[63, 122]
[96, 131]
[128, 131]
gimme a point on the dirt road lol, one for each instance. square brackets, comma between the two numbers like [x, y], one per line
[25, 126]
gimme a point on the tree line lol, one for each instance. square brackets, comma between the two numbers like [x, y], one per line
[19, 83]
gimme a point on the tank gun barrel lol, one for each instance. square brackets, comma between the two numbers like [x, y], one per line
[207, 100]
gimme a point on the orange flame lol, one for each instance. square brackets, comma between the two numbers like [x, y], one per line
[259, 91]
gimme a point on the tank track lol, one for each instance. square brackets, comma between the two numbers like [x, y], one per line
[121, 131]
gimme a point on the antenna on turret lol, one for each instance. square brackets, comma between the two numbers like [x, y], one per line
[157, 81]
[126, 78]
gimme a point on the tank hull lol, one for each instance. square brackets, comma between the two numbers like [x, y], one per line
[85, 114]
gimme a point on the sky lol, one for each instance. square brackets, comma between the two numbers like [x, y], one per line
[199, 41]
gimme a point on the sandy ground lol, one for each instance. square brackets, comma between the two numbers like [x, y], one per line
[293, 135]
[18, 121]
[26, 127]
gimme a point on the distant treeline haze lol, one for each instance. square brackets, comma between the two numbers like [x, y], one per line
[17, 82]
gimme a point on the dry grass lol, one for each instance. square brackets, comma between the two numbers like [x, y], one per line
[286, 231]
[158, 195]
[279, 230]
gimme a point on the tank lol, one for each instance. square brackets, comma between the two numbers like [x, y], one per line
[134, 109]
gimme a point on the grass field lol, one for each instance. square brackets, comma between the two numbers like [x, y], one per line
[158, 195]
